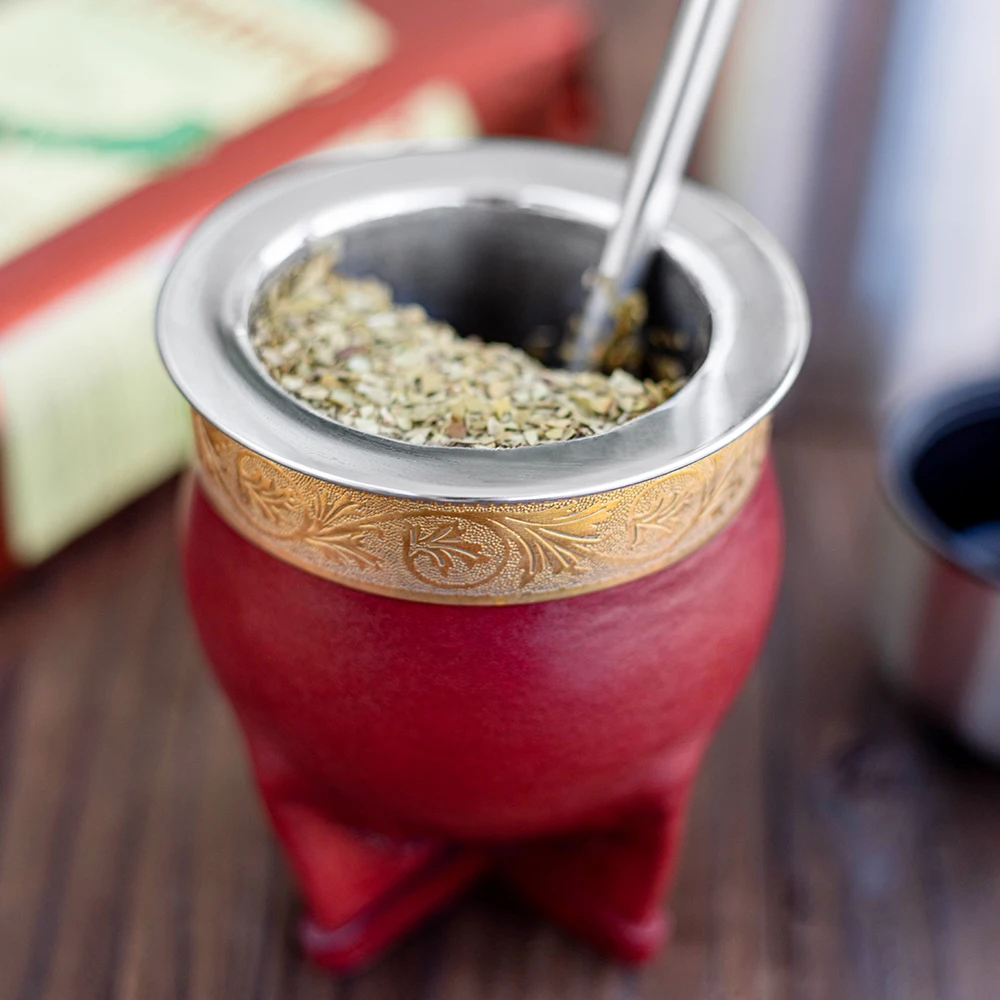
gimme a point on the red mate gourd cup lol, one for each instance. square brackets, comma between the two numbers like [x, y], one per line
[448, 661]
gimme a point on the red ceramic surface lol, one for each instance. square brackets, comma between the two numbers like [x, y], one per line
[403, 748]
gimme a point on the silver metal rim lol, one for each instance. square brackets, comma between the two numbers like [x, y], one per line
[760, 320]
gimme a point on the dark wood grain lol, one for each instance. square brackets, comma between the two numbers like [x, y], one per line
[834, 851]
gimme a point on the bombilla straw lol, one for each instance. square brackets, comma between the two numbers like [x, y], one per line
[660, 151]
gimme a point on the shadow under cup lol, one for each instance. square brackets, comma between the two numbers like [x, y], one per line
[938, 584]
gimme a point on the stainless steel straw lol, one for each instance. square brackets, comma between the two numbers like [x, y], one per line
[660, 151]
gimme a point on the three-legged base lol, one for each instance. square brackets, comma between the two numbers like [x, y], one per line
[365, 891]
[552, 744]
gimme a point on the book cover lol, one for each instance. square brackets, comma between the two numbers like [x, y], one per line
[88, 421]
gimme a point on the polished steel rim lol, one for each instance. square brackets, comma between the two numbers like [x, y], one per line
[759, 320]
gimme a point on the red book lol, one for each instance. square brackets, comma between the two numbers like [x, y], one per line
[87, 420]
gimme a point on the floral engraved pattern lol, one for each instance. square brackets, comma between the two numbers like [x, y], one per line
[450, 553]
[667, 509]
[477, 553]
[335, 527]
[443, 545]
[268, 494]
[559, 542]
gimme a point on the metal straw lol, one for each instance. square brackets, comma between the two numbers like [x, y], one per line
[660, 151]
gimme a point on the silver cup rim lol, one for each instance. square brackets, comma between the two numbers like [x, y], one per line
[759, 310]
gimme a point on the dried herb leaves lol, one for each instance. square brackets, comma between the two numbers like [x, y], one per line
[343, 346]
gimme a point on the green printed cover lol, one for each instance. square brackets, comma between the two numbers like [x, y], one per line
[97, 96]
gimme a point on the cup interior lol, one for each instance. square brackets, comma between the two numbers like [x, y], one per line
[947, 477]
[502, 272]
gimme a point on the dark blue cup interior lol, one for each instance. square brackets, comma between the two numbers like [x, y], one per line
[942, 468]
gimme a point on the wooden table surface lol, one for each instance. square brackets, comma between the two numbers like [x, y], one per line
[834, 851]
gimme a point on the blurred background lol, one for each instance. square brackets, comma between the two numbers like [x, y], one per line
[857, 130]
[862, 132]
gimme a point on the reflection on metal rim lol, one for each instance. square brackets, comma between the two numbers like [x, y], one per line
[758, 313]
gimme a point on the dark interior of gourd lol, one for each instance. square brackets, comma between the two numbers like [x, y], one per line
[505, 273]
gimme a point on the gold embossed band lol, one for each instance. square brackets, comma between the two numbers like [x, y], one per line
[477, 553]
